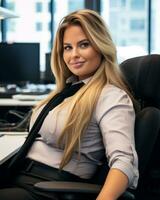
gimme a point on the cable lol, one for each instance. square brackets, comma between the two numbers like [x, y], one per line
[17, 113]
[21, 126]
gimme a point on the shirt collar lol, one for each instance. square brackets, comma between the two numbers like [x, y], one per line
[74, 80]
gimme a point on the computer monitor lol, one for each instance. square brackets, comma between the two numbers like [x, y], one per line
[48, 75]
[19, 63]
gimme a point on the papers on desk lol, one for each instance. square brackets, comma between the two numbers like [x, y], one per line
[9, 145]
[24, 97]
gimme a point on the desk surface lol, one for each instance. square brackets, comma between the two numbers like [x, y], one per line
[10, 144]
[14, 102]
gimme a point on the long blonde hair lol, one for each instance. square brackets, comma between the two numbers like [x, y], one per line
[83, 102]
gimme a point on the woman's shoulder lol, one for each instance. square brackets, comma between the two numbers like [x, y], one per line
[112, 94]
[112, 97]
[109, 89]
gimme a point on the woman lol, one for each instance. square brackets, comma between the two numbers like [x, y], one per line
[96, 121]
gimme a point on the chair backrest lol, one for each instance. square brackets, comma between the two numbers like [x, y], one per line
[147, 129]
[143, 76]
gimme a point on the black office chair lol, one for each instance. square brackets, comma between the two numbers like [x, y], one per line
[143, 76]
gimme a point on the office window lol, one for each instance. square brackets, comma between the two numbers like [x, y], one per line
[137, 24]
[74, 5]
[39, 26]
[39, 7]
[118, 3]
[126, 23]
[138, 4]
[11, 5]
[49, 26]
[68, 6]
[114, 3]
[123, 3]
[49, 7]
[49, 45]
[155, 28]
[30, 26]
[123, 42]
[12, 26]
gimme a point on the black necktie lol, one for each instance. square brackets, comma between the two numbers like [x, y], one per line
[56, 100]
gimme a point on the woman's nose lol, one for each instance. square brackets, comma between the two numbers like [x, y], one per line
[75, 52]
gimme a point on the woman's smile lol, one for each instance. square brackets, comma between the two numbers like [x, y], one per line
[77, 64]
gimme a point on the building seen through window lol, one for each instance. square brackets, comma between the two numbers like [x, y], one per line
[127, 21]
[68, 6]
[155, 27]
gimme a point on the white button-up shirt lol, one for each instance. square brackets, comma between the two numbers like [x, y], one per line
[110, 132]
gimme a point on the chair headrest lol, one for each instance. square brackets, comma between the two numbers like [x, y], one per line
[143, 76]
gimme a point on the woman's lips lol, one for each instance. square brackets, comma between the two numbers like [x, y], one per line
[77, 64]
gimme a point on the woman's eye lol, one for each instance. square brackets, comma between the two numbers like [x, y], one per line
[84, 44]
[67, 48]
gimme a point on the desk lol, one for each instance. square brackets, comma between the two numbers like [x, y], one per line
[14, 102]
[10, 144]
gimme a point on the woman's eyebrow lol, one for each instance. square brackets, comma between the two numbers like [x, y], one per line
[66, 43]
[84, 40]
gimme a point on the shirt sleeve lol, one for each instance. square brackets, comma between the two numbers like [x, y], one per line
[116, 118]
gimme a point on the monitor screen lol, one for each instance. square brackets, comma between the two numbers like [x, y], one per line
[48, 77]
[19, 63]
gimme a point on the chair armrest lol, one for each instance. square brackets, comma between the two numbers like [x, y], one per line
[76, 187]
[62, 186]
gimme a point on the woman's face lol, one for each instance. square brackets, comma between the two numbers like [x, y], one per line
[78, 53]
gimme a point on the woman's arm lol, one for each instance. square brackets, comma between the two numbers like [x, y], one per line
[116, 117]
[116, 183]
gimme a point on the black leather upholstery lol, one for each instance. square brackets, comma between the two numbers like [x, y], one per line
[147, 128]
[143, 76]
